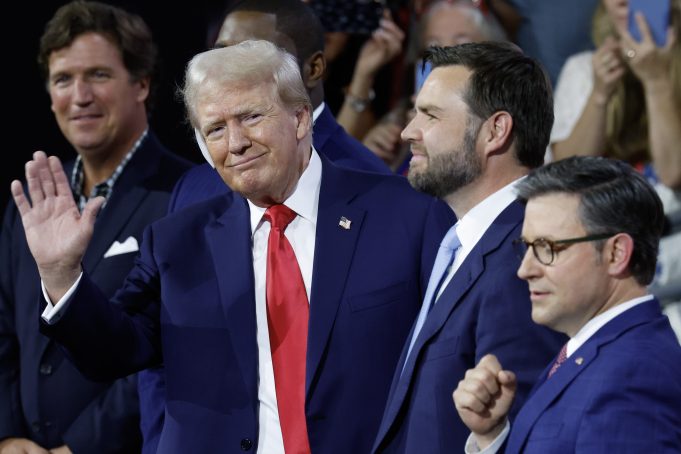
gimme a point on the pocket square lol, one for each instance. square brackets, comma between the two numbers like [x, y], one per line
[129, 245]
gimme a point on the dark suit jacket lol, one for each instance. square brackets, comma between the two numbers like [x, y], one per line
[42, 396]
[202, 183]
[190, 301]
[484, 309]
[329, 139]
[619, 392]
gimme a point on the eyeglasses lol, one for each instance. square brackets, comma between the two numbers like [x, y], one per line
[545, 250]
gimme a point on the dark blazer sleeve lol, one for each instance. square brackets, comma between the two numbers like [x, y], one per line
[109, 340]
[11, 416]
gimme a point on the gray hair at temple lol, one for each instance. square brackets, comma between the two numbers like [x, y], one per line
[248, 63]
[614, 198]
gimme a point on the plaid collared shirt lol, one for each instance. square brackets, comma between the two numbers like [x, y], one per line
[105, 188]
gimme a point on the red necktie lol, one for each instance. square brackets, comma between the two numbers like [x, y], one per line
[562, 356]
[287, 314]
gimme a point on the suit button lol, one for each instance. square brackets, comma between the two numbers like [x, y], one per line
[45, 369]
[36, 427]
[246, 444]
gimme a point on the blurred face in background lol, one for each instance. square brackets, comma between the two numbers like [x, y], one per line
[450, 24]
[618, 11]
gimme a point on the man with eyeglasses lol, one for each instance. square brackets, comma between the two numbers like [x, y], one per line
[594, 227]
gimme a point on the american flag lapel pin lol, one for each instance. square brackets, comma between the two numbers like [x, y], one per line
[345, 223]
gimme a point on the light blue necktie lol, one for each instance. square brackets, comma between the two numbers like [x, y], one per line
[445, 257]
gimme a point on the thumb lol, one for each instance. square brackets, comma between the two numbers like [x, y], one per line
[508, 382]
[91, 209]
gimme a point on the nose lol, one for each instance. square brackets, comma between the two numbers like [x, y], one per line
[82, 92]
[237, 140]
[410, 132]
[529, 266]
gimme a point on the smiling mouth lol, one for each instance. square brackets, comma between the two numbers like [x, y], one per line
[85, 117]
[245, 162]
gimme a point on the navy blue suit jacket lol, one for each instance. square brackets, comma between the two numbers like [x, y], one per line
[190, 302]
[619, 392]
[202, 183]
[42, 396]
[484, 309]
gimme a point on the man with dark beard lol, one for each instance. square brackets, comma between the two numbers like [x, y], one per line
[483, 119]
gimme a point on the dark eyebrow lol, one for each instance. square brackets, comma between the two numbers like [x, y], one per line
[428, 109]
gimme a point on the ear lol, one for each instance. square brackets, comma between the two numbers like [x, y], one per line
[496, 132]
[143, 84]
[617, 252]
[314, 69]
[304, 122]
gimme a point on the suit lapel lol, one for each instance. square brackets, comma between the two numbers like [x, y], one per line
[229, 243]
[455, 292]
[547, 390]
[127, 195]
[334, 250]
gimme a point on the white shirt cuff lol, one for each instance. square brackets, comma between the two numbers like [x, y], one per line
[53, 313]
[472, 444]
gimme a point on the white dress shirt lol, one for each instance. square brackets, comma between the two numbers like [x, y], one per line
[301, 234]
[473, 225]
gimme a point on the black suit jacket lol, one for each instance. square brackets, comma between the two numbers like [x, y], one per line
[42, 395]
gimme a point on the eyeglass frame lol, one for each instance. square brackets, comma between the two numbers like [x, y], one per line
[556, 246]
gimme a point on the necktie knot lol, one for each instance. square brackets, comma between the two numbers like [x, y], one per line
[451, 240]
[279, 216]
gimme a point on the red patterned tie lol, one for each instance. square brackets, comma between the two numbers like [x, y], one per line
[287, 314]
[562, 356]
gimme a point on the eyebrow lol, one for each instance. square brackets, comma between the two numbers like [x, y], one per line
[429, 108]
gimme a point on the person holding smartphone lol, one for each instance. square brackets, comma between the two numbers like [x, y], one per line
[623, 100]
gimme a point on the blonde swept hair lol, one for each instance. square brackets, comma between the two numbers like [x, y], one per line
[249, 62]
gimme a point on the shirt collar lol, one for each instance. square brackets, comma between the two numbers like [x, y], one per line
[317, 112]
[596, 323]
[473, 225]
[305, 198]
[106, 187]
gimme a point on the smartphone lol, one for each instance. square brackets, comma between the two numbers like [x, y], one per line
[657, 15]
[421, 71]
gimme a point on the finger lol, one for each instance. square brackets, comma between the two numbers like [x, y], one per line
[646, 35]
[35, 190]
[463, 400]
[19, 197]
[47, 182]
[491, 363]
[482, 383]
[392, 29]
[627, 41]
[671, 39]
[615, 75]
[62, 184]
[507, 379]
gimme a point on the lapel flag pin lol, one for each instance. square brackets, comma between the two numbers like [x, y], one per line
[579, 361]
[345, 222]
